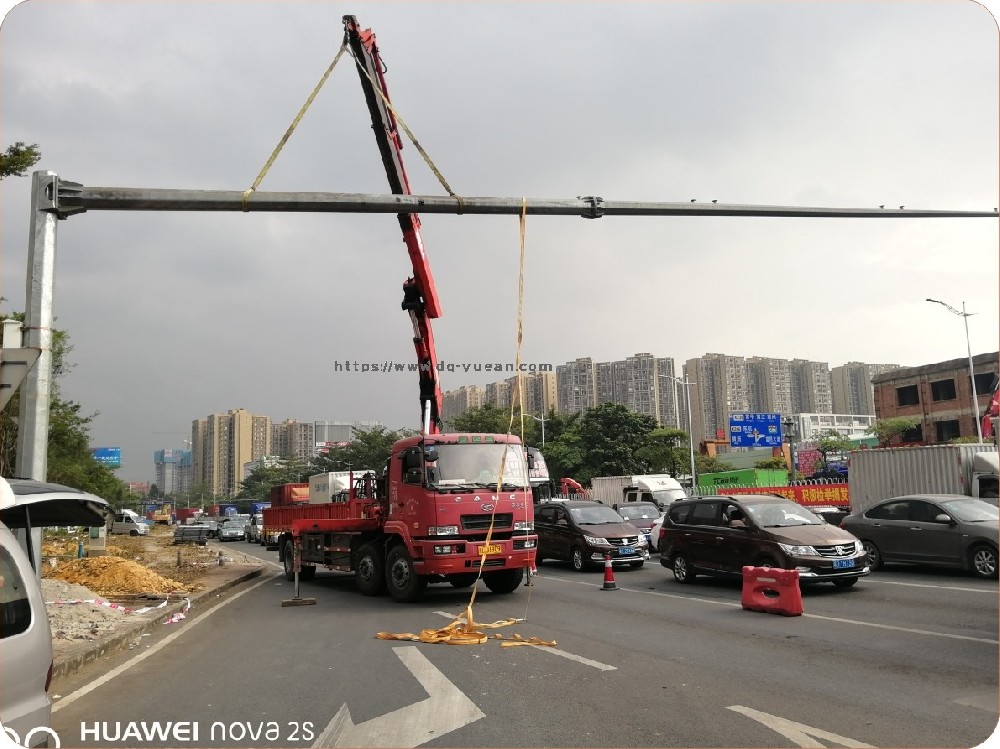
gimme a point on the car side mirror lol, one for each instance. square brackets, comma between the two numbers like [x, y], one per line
[942, 518]
[737, 524]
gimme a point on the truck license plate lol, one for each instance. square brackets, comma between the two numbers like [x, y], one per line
[625, 551]
[491, 549]
[839, 564]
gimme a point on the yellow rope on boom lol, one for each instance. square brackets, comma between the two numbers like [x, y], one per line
[291, 128]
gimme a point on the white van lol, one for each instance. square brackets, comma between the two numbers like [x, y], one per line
[25, 642]
[129, 523]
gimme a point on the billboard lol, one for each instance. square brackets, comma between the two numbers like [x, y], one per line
[754, 430]
[109, 456]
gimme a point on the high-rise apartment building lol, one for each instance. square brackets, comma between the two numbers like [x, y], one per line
[673, 412]
[719, 387]
[222, 443]
[498, 394]
[811, 387]
[851, 387]
[293, 439]
[769, 382]
[173, 471]
[611, 384]
[642, 393]
[329, 433]
[576, 383]
[457, 402]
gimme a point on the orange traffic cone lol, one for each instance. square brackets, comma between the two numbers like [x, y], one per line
[609, 575]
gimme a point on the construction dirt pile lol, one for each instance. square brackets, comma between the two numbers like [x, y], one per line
[113, 576]
[73, 622]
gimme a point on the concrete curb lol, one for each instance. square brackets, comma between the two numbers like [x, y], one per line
[70, 663]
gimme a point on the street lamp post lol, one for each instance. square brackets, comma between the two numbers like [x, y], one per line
[789, 425]
[687, 400]
[968, 347]
[542, 419]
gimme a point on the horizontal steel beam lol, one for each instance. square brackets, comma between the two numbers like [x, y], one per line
[73, 198]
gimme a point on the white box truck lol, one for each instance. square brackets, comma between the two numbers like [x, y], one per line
[660, 488]
[881, 473]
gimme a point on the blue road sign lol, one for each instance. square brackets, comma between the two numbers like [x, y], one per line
[754, 430]
[109, 456]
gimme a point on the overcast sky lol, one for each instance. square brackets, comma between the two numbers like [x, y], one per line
[175, 316]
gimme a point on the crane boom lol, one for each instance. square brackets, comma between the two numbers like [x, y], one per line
[420, 298]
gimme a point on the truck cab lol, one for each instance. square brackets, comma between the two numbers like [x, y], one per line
[985, 470]
[660, 490]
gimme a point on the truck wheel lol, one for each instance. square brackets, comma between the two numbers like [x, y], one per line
[370, 570]
[984, 561]
[288, 555]
[504, 581]
[404, 584]
[463, 581]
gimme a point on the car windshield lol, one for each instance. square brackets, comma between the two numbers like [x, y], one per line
[235, 524]
[781, 514]
[639, 511]
[596, 515]
[971, 510]
[479, 464]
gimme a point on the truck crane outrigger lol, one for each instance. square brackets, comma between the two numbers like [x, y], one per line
[442, 512]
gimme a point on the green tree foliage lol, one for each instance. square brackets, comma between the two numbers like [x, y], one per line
[69, 459]
[493, 419]
[771, 464]
[832, 441]
[18, 159]
[368, 449]
[886, 430]
[705, 464]
[257, 486]
[666, 451]
[612, 436]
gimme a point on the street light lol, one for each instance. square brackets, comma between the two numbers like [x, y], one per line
[789, 425]
[972, 375]
[542, 419]
[687, 399]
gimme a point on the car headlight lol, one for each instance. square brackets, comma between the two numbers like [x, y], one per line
[596, 541]
[858, 547]
[442, 530]
[524, 525]
[798, 551]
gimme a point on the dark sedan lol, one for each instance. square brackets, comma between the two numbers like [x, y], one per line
[950, 530]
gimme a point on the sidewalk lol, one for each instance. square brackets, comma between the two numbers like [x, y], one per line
[128, 634]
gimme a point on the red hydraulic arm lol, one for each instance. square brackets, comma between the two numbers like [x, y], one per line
[419, 295]
[992, 412]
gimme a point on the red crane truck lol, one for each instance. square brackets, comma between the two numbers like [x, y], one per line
[442, 512]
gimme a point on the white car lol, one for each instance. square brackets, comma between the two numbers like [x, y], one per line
[254, 529]
[654, 535]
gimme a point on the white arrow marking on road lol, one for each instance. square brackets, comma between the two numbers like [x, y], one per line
[445, 710]
[803, 735]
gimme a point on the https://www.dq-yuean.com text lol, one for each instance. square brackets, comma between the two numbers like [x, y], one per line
[387, 366]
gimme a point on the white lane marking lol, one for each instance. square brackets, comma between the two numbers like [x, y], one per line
[869, 581]
[857, 622]
[545, 648]
[987, 701]
[805, 736]
[446, 709]
[185, 628]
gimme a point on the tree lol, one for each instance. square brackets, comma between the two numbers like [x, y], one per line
[886, 430]
[68, 458]
[493, 419]
[706, 464]
[612, 435]
[832, 441]
[257, 486]
[369, 449]
[666, 450]
[18, 159]
[771, 464]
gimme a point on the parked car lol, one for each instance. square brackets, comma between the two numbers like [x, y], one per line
[951, 530]
[232, 530]
[720, 535]
[254, 527]
[583, 531]
[832, 515]
[640, 514]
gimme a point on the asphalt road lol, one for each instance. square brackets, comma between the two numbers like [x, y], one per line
[906, 658]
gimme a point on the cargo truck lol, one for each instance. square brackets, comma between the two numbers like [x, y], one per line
[451, 508]
[660, 489]
[881, 473]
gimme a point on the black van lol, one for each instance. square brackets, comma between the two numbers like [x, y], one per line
[584, 531]
[720, 535]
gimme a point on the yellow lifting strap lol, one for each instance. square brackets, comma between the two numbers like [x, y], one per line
[291, 128]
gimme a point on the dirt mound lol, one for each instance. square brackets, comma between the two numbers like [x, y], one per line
[110, 576]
